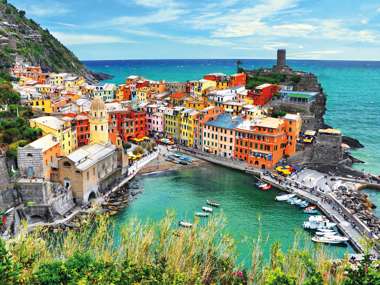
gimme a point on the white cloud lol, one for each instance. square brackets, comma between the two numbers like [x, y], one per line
[47, 9]
[316, 54]
[71, 39]
[156, 3]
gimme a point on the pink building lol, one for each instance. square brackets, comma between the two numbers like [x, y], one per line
[155, 119]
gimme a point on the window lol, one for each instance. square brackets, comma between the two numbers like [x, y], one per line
[67, 164]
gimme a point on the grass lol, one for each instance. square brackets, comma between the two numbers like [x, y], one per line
[159, 253]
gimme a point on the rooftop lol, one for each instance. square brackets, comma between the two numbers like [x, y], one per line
[225, 121]
[44, 143]
[262, 86]
[49, 121]
[89, 155]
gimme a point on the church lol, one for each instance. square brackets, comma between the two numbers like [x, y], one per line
[90, 170]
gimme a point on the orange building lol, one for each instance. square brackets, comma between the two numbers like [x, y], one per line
[39, 157]
[238, 80]
[262, 143]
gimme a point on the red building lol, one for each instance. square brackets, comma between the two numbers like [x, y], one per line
[238, 80]
[139, 123]
[215, 77]
[120, 125]
[263, 94]
[83, 129]
[82, 125]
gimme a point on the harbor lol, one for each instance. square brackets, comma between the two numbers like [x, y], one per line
[320, 195]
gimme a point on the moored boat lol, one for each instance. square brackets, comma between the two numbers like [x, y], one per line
[330, 240]
[284, 197]
[265, 187]
[311, 210]
[213, 203]
[207, 209]
[185, 224]
[202, 214]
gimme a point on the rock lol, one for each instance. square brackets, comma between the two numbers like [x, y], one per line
[100, 76]
[351, 142]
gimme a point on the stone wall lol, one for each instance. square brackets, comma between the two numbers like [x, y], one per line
[63, 203]
[8, 198]
[4, 175]
[30, 162]
[327, 149]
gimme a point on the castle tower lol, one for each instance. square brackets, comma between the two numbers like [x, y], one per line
[98, 122]
[281, 58]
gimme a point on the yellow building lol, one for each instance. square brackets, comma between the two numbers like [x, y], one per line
[188, 127]
[43, 88]
[197, 104]
[221, 85]
[57, 79]
[98, 122]
[143, 94]
[172, 117]
[202, 86]
[42, 104]
[61, 129]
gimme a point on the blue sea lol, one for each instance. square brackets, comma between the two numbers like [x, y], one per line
[352, 89]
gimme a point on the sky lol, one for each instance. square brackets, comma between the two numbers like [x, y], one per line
[163, 29]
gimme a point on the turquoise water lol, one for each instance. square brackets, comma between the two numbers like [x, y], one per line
[353, 105]
[352, 88]
[248, 210]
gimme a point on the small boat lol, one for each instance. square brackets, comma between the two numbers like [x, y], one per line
[202, 214]
[329, 240]
[304, 204]
[185, 224]
[318, 218]
[325, 233]
[292, 201]
[265, 187]
[284, 197]
[314, 225]
[213, 203]
[207, 209]
[260, 183]
[311, 210]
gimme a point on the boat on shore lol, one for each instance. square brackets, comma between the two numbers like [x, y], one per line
[185, 224]
[213, 203]
[284, 197]
[207, 209]
[202, 214]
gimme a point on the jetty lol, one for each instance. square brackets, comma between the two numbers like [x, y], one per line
[323, 197]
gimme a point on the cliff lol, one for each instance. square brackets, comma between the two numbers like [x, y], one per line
[23, 39]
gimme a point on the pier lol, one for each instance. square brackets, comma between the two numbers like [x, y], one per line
[324, 199]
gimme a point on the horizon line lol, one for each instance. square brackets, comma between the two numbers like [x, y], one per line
[271, 59]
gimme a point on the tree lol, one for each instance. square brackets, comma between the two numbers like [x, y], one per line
[9, 271]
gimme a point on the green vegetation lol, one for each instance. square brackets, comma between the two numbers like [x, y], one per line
[14, 118]
[138, 150]
[34, 44]
[261, 78]
[160, 253]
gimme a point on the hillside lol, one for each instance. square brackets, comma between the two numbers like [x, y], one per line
[23, 38]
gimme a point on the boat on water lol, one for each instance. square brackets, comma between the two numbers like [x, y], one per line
[284, 197]
[315, 225]
[207, 209]
[311, 210]
[202, 214]
[318, 218]
[265, 187]
[330, 240]
[292, 201]
[303, 205]
[326, 233]
[185, 224]
[213, 203]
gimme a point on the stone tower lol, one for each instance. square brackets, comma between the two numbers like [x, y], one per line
[281, 58]
[98, 122]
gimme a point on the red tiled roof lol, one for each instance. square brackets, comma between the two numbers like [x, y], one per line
[177, 96]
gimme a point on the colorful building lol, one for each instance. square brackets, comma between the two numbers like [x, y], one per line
[188, 127]
[37, 159]
[42, 104]
[139, 123]
[155, 119]
[203, 86]
[238, 80]
[262, 142]
[172, 125]
[98, 119]
[264, 93]
[219, 135]
[120, 126]
[62, 130]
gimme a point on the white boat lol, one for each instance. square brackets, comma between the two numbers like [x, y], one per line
[292, 201]
[213, 203]
[284, 197]
[304, 204]
[317, 218]
[326, 233]
[329, 240]
[202, 214]
[311, 210]
[314, 225]
[185, 224]
[207, 209]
